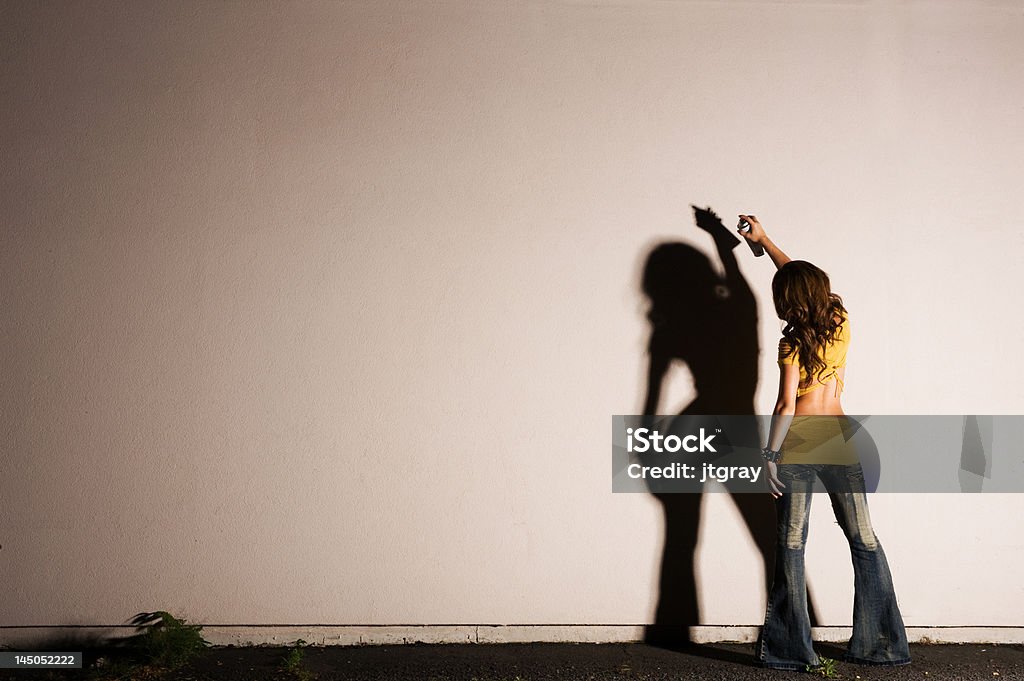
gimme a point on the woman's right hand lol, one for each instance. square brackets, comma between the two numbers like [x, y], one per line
[756, 234]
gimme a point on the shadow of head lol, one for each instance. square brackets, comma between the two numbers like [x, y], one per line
[679, 280]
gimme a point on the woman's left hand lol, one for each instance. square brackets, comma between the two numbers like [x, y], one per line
[772, 474]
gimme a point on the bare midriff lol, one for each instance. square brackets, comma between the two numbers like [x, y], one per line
[823, 400]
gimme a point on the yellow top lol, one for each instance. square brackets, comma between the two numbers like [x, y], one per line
[835, 359]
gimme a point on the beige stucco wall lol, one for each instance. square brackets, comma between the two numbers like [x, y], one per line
[317, 312]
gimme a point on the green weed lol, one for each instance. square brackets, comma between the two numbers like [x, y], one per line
[827, 668]
[293, 662]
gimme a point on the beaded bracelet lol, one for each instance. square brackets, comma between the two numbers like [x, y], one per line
[771, 455]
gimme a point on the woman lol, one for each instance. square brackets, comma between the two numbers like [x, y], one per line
[809, 437]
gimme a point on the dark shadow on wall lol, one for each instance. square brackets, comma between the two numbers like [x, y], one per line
[709, 322]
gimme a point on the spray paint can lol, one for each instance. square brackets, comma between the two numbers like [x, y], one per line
[756, 249]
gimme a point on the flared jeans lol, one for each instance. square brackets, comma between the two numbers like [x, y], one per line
[879, 636]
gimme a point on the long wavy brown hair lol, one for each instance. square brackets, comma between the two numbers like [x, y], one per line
[805, 301]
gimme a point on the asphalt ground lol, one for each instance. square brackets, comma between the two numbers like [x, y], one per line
[544, 661]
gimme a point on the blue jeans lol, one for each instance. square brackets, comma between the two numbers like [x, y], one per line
[879, 636]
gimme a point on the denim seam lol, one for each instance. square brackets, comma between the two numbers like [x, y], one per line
[767, 615]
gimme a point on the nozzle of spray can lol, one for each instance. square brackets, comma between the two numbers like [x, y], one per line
[756, 249]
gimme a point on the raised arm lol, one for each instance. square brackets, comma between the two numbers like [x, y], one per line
[725, 242]
[757, 235]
